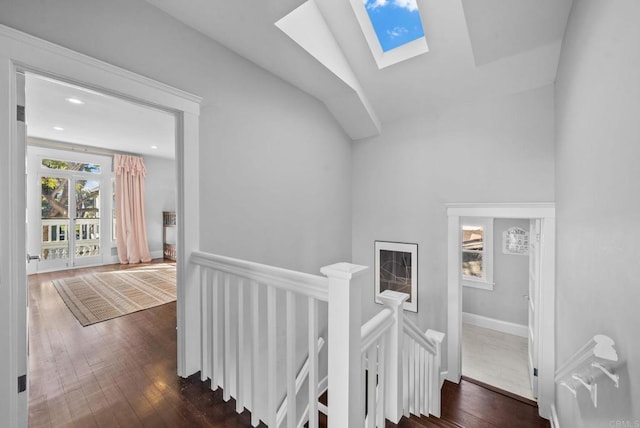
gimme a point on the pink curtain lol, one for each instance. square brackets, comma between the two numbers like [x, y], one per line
[131, 229]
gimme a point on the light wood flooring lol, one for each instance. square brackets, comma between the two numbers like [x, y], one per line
[496, 359]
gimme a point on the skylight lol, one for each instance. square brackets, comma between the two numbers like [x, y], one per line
[393, 29]
[395, 22]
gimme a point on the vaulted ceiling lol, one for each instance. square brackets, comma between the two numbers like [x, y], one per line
[477, 48]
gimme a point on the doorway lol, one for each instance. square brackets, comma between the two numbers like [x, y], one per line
[69, 198]
[543, 355]
[498, 304]
[22, 52]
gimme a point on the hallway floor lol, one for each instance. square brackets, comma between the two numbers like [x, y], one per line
[122, 373]
[497, 359]
[117, 373]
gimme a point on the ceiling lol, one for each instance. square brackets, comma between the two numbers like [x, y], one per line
[101, 121]
[477, 48]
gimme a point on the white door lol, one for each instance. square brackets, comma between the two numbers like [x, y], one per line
[534, 298]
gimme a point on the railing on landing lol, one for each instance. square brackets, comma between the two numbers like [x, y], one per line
[404, 361]
[249, 310]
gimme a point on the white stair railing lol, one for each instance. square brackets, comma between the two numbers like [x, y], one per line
[303, 375]
[405, 362]
[249, 310]
[597, 358]
[374, 336]
[421, 371]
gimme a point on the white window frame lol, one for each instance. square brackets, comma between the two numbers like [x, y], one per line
[393, 56]
[486, 282]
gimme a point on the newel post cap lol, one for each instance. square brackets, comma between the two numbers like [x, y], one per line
[392, 298]
[343, 270]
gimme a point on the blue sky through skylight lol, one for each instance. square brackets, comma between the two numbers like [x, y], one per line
[396, 22]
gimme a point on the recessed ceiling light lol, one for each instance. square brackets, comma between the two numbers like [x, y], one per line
[75, 101]
[58, 128]
[154, 147]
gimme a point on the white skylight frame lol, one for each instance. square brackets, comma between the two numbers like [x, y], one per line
[393, 56]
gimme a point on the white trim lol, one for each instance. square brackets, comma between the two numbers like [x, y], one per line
[554, 417]
[502, 210]
[546, 305]
[182, 100]
[482, 285]
[20, 51]
[495, 324]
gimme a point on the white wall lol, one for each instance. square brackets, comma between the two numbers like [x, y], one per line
[276, 164]
[511, 277]
[499, 150]
[598, 182]
[160, 195]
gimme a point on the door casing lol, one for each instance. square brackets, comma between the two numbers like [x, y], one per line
[23, 52]
[546, 305]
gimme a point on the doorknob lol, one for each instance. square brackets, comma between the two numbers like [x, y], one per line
[30, 257]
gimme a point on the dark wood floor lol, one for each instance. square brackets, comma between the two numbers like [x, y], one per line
[117, 373]
[122, 373]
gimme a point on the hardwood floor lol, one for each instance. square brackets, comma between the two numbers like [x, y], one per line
[117, 373]
[472, 406]
[122, 373]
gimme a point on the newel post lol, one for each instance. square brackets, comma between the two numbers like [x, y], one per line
[345, 308]
[393, 359]
[435, 337]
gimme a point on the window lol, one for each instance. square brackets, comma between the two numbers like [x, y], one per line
[71, 166]
[393, 29]
[477, 252]
[396, 23]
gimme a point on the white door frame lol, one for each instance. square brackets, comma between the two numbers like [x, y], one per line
[546, 306]
[20, 51]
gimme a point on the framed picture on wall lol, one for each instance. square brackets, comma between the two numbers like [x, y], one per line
[396, 268]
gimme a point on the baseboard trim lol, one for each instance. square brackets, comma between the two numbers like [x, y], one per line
[494, 324]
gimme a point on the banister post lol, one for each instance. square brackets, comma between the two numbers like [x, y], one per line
[344, 313]
[393, 360]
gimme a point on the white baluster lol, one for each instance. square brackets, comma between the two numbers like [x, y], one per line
[255, 351]
[372, 362]
[416, 381]
[226, 363]
[204, 331]
[240, 349]
[405, 374]
[215, 329]
[382, 379]
[313, 363]
[271, 356]
[291, 361]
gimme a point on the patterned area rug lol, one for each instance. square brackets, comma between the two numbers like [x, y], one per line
[102, 296]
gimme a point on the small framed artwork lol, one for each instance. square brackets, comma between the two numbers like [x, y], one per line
[515, 240]
[396, 268]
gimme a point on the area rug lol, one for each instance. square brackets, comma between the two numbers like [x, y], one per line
[98, 297]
